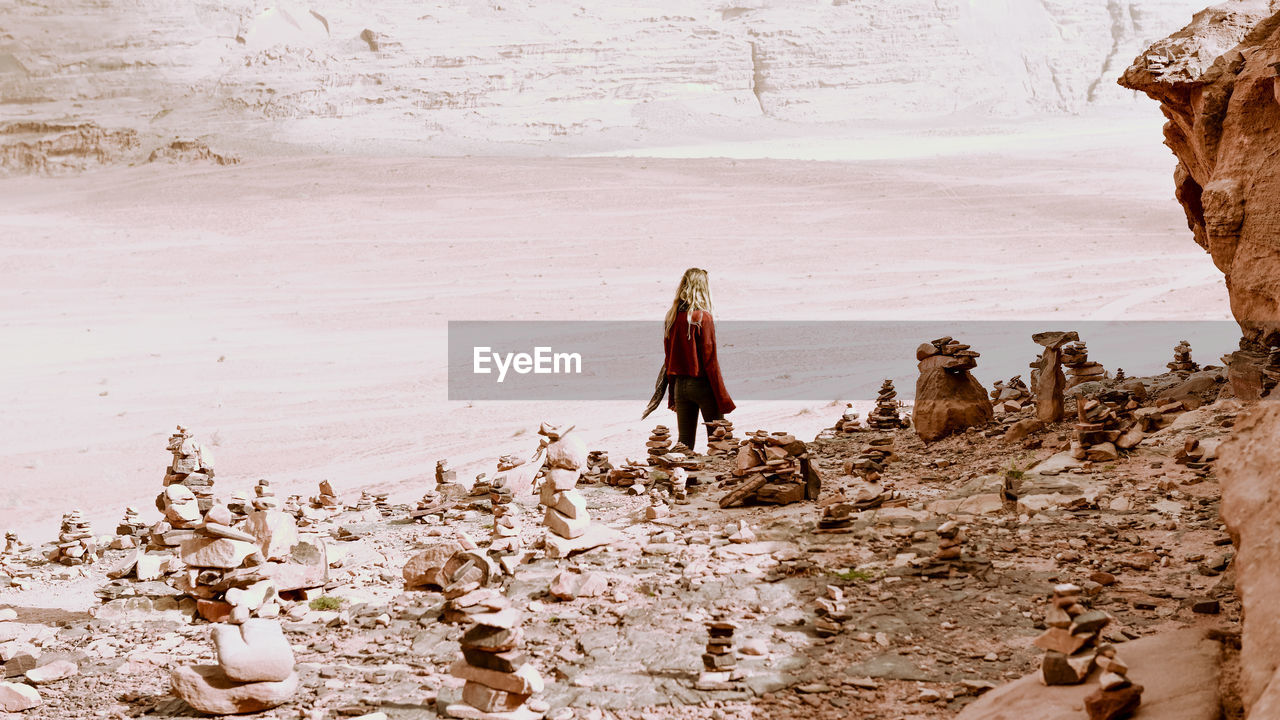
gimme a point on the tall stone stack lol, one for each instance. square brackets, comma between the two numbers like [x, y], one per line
[720, 439]
[1080, 369]
[254, 671]
[1048, 382]
[1182, 363]
[498, 679]
[444, 473]
[720, 660]
[951, 539]
[76, 544]
[658, 444]
[1070, 643]
[192, 467]
[949, 399]
[506, 524]
[1116, 697]
[885, 414]
[566, 510]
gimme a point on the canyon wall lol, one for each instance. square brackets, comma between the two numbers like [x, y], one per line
[1216, 81]
[519, 76]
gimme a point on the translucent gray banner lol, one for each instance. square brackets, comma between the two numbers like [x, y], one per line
[767, 360]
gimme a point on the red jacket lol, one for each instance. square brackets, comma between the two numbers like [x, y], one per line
[691, 351]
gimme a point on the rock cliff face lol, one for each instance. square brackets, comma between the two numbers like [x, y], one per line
[1250, 506]
[1217, 83]
[512, 74]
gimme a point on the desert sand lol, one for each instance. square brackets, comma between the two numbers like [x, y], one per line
[293, 311]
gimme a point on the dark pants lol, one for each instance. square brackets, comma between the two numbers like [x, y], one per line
[691, 395]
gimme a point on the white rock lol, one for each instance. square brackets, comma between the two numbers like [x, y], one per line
[16, 697]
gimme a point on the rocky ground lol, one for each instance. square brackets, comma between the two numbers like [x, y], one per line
[1141, 535]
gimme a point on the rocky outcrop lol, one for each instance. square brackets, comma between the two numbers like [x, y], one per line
[1217, 83]
[1250, 505]
[513, 76]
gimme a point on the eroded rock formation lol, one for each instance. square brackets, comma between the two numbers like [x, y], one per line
[1217, 83]
[1250, 506]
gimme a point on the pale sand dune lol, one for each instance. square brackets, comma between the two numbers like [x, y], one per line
[326, 284]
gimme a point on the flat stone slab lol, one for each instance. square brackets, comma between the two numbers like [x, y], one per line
[1179, 671]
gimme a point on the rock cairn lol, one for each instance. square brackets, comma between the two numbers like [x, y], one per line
[1182, 363]
[680, 485]
[839, 512]
[255, 671]
[132, 526]
[948, 398]
[506, 524]
[192, 467]
[951, 539]
[1012, 396]
[1080, 369]
[465, 579]
[832, 612]
[658, 444]
[720, 654]
[11, 545]
[630, 474]
[872, 459]
[566, 510]
[264, 498]
[658, 507]
[720, 439]
[849, 420]
[76, 544]
[444, 473]
[1107, 424]
[1120, 376]
[1071, 639]
[598, 466]
[1116, 696]
[497, 676]
[326, 498]
[885, 414]
[773, 469]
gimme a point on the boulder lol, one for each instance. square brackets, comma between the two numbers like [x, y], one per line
[223, 553]
[1022, 429]
[208, 689]
[1250, 504]
[569, 453]
[948, 401]
[423, 569]
[17, 697]
[253, 651]
[275, 531]
[307, 567]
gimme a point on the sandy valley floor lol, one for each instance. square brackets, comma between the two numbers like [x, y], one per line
[293, 312]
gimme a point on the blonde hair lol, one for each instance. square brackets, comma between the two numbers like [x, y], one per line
[693, 293]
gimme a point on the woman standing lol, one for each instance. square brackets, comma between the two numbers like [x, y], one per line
[692, 368]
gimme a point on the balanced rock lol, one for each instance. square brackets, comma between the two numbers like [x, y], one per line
[949, 399]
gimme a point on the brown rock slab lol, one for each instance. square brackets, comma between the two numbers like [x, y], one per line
[1113, 704]
[1179, 671]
